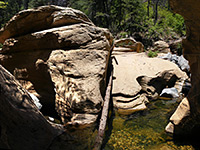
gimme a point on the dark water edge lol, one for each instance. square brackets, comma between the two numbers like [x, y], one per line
[144, 130]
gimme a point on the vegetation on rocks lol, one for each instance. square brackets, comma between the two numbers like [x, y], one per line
[152, 54]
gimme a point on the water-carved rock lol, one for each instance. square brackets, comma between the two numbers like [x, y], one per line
[138, 79]
[64, 56]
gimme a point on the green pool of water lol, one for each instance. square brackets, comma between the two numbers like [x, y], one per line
[145, 130]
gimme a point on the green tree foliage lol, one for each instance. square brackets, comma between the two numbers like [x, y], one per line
[135, 16]
[145, 20]
[3, 4]
[2, 7]
[10, 8]
[99, 12]
[37, 3]
[117, 13]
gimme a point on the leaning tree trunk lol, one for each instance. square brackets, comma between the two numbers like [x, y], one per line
[26, 4]
[103, 121]
[156, 12]
[22, 126]
[148, 5]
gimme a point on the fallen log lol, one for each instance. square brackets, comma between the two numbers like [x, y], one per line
[103, 120]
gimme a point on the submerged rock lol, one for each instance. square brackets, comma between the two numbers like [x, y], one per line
[65, 57]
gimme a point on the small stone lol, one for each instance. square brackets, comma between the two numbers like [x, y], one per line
[51, 119]
[169, 128]
[181, 112]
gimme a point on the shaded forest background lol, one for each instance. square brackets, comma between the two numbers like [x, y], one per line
[145, 20]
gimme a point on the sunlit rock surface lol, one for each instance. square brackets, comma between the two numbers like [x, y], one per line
[63, 55]
[138, 79]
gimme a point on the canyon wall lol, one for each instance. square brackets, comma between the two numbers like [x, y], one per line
[186, 118]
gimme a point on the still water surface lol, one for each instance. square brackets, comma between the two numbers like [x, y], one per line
[140, 131]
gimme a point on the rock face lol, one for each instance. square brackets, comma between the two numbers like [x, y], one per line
[20, 119]
[176, 47]
[63, 56]
[138, 78]
[189, 9]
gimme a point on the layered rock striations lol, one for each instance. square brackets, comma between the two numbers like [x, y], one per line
[46, 17]
[63, 56]
[190, 107]
[139, 79]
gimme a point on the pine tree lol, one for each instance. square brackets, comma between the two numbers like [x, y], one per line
[25, 2]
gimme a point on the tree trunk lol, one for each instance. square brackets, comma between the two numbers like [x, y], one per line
[102, 126]
[156, 12]
[26, 4]
[148, 5]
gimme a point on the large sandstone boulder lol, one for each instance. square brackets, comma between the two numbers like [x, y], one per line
[138, 79]
[189, 123]
[45, 17]
[63, 56]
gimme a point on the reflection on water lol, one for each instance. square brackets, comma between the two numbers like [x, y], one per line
[140, 131]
